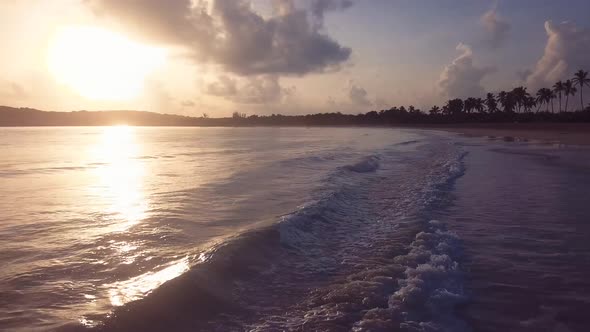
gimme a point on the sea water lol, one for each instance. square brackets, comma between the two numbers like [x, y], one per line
[302, 229]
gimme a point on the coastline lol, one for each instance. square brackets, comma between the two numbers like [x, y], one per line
[564, 133]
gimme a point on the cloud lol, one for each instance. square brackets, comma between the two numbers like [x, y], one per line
[188, 103]
[496, 27]
[462, 79]
[159, 99]
[224, 87]
[523, 74]
[12, 90]
[358, 96]
[170, 22]
[283, 7]
[231, 34]
[265, 89]
[320, 7]
[566, 51]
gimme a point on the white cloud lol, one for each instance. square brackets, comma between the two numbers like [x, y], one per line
[567, 50]
[462, 79]
[9, 89]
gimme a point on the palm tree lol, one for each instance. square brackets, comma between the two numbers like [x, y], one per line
[544, 97]
[558, 89]
[478, 105]
[569, 90]
[581, 79]
[491, 103]
[454, 106]
[520, 94]
[540, 98]
[434, 110]
[529, 103]
[469, 105]
[413, 110]
[506, 100]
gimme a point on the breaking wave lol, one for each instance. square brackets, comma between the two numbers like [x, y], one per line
[368, 164]
[364, 256]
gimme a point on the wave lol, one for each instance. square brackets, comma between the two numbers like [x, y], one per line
[366, 165]
[415, 291]
[345, 238]
[409, 142]
[430, 288]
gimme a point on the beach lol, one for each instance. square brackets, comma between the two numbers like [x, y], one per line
[564, 133]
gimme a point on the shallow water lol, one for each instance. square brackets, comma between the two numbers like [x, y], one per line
[523, 215]
[272, 229]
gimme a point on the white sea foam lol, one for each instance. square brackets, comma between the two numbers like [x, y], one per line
[366, 165]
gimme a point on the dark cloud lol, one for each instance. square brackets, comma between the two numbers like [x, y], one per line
[522, 75]
[231, 34]
[358, 95]
[462, 79]
[173, 21]
[264, 89]
[496, 27]
[566, 51]
[224, 87]
[320, 7]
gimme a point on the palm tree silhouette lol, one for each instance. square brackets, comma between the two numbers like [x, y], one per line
[507, 101]
[434, 110]
[529, 103]
[558, 89]
[454, 106]
[544, 97]
[581, 79]
[491, 103]
[540, 97]
[478, 105]
[520, 94]
[569, 90]
[469, 105]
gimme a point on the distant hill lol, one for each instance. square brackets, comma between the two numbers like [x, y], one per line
[24, 117]
[454, 113]
[17, 117]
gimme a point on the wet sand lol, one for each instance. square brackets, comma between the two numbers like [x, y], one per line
[565, 133]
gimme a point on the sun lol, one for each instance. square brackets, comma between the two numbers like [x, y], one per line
[100, 64]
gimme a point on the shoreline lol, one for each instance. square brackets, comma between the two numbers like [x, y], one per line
[544, 132]
[564, 133]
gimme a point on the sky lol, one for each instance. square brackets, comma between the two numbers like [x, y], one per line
[192, 57]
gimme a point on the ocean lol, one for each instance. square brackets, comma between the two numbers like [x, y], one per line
[290, 229]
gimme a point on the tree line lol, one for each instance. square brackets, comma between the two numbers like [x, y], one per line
[520, 100]
[516, 105]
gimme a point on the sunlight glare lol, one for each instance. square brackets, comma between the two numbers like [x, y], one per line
[140, 286]
[122, 175]
[101, 65]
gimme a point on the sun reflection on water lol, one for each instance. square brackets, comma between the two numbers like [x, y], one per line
[121, 176]
[138, 287]
[120, 187]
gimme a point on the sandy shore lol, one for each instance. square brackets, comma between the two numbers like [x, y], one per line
[566, 133]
